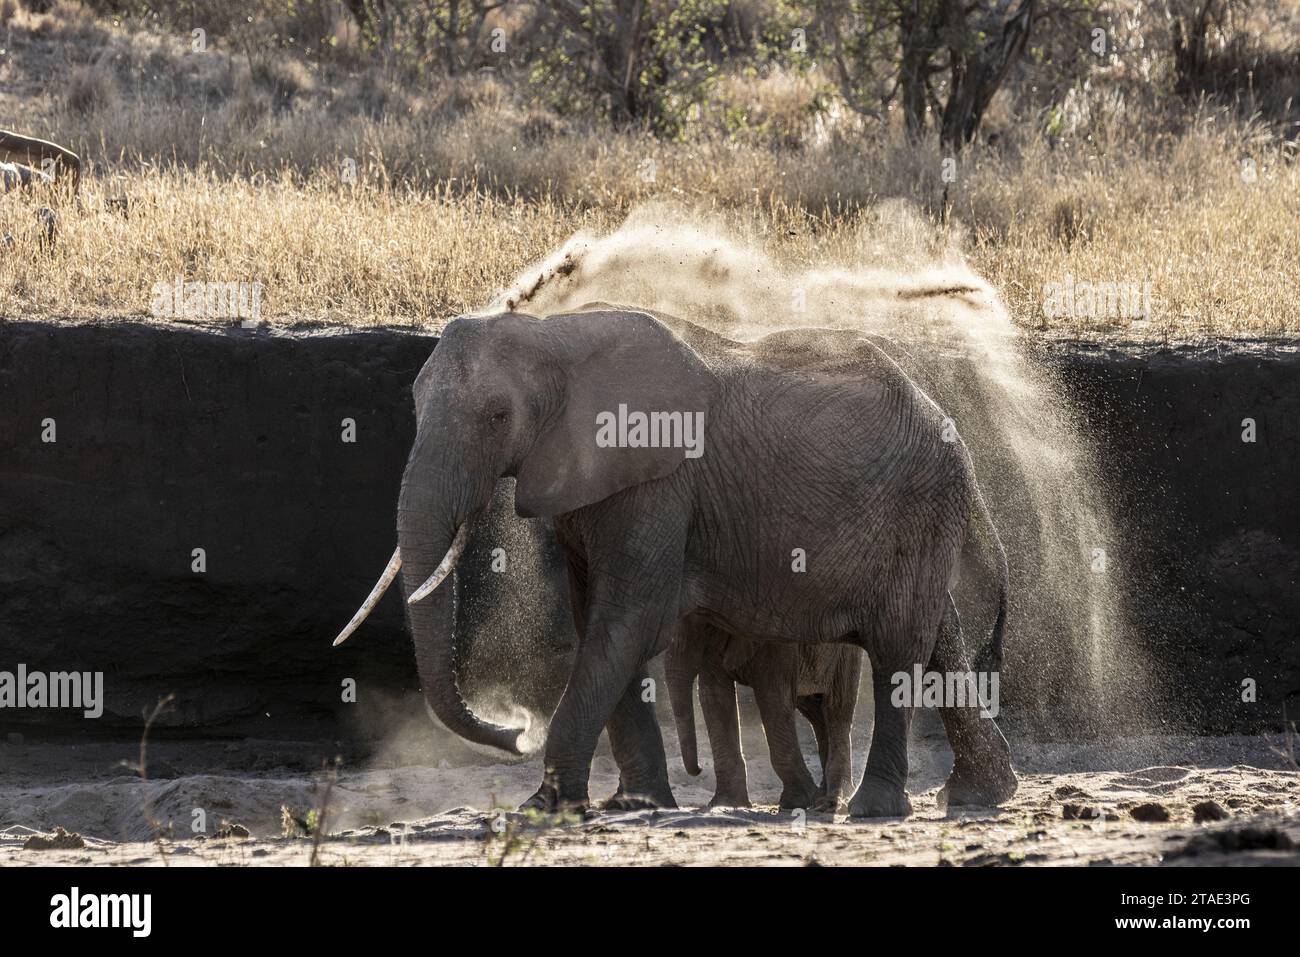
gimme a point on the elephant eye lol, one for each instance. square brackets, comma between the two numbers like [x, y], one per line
[499, 417]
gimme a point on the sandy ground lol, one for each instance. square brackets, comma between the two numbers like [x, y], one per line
[1077, 805]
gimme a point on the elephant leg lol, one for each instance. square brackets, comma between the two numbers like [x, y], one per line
[838, 706]
[626, 621]
[634, 734]
[610, 657]
[722, 720]
[811, 707]
[883, 789]
[776, 707]
[895, 642]
[638, 748]
[839, 764]
[981, 771]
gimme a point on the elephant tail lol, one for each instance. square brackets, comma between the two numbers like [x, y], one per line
[984, 546]
[680, 668]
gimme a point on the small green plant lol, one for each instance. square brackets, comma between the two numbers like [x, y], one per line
[294, 824]
[509, 834]
[508, 842]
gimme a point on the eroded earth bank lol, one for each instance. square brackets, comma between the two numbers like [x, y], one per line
[171, 439]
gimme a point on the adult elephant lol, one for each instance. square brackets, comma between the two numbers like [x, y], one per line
[828, 500]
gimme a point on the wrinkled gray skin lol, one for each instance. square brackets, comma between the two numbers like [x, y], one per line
[821, 681]
[813, 440]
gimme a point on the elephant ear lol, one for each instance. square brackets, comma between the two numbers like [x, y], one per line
[610, 360]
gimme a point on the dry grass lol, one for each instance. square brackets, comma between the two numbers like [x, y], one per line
[234, 174]
[90, 88]
[1211, 227]
[322, 251]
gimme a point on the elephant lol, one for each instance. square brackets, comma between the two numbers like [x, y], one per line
[26, 159]
[820, 681]
[818, 446]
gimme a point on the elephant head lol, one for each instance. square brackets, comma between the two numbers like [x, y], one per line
[513, 395]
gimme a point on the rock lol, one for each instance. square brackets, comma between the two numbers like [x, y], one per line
[1150, 813]
[1208, 811]
[1081, 812]
[1234, 840]
[1003, 859]
[60, 840]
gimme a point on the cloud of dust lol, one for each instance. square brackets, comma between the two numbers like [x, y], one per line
[1070, 655]
[515, 640]
[517, 622]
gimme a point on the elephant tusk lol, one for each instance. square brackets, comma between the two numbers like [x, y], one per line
[444, 567]
[376, 593]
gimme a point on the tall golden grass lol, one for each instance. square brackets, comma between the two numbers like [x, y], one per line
[233, 177]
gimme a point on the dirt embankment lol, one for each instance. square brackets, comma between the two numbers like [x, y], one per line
[280, 457]
[1201, 455]
[171, 439]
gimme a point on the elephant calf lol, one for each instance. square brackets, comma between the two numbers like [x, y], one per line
[821, 681]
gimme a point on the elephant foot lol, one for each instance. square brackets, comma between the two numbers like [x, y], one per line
[730, 800]
[546, 800]
[827, 803]
[626, 802]
[621, 801]
[797, 796]
[880, 799]
[968, 789]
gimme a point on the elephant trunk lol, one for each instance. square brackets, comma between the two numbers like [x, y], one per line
[425, 535]
[680, 667]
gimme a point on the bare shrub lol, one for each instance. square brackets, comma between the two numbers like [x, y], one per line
[91, 88]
